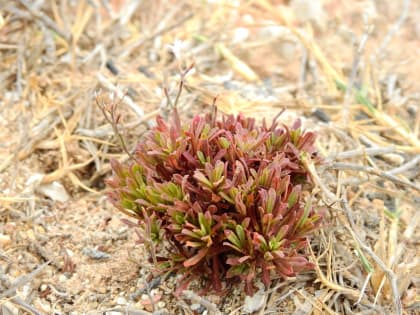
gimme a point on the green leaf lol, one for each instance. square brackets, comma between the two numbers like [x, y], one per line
[218, 171]
[293, 197]
[237, 270]
[365, 262]
[179, 218]
[224, 142]
[231, 236]
[202, 179]
[360, 96]
[201, 157]
[271, 200]
[240, 233]
[305, 214]
[205, 223]
[226, 197]
[295, 135]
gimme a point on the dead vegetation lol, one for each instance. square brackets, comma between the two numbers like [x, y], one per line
[349, 69]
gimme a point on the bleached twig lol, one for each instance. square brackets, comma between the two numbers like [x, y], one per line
[45, 19]
[190, 295]
[390, 274]
[355, 65]
[394, 29]
[119, 94]
[22, 280]
[362, 152]
[405, 167]
[371, 170]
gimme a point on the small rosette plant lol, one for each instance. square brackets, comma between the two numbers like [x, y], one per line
[222, 198]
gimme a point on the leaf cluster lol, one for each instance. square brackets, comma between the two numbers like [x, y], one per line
[222, 198]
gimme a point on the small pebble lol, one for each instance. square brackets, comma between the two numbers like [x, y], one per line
[95, 253]
[111, 67]
[255, 302]
[121, 301]
[321, 115]
[195, 306]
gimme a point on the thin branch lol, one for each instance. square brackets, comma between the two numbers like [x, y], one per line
[356, 60]
[394, 29]
[111, 116]
[362, 152]
[22, 280]
[371, 170]
[181, 84]
[390, 274]
[405, 167]
[23, 305]
[190, 295]
[120, 94]
[46, 20]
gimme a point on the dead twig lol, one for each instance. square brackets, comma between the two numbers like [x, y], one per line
[394, 29]
[405, 167]
[190, 295]
[46, 20]
[362, 152]
[371, 170]
[120, 94]
[356, 60]
[390, 274]
[25, 306]
[22, 280]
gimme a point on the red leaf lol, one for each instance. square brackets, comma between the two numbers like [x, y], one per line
[196, 258]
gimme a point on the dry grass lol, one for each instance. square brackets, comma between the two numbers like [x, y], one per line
[56, 57]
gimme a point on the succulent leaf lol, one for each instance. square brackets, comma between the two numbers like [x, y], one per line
[227, 195]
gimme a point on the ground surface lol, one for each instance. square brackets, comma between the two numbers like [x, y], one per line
[257, 57]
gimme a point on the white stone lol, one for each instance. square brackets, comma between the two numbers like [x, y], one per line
[54, 191]
[195, 306]
[255, 302]
[121, 301]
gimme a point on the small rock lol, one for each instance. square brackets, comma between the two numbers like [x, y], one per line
[195, 307]
[62, 278]
[121, 301]
[54, 191]
[95, 253]
[255, 302]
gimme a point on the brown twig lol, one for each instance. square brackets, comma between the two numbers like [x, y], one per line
[113, 118]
